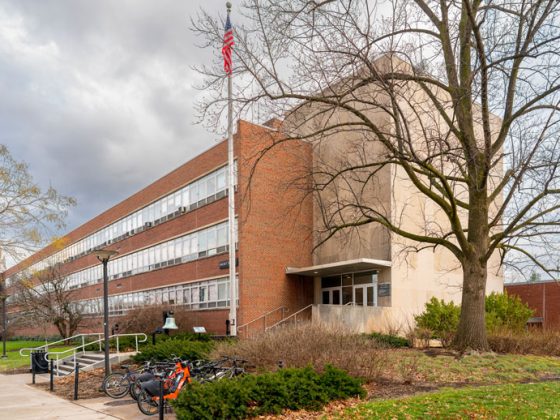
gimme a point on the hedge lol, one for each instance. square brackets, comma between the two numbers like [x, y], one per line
[269, 393]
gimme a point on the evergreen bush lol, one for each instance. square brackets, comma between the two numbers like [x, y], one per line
[441, 318]
[507, 312]
[269, 393]
[389, 340]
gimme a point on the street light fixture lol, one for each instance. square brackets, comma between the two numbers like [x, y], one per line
[104, 255]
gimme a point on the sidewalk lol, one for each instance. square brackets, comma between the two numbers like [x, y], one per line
[21, 401]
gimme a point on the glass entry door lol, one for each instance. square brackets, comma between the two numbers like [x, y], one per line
[365, 295]
[331, 296]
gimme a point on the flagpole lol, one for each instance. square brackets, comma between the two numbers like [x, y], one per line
[231, 211]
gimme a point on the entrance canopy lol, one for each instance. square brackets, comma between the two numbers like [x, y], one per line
[339, 267]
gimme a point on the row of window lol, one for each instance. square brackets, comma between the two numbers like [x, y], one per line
[198, 295]
[202, 191]
[206, 242]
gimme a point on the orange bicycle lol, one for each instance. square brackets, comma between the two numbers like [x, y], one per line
[173, 381]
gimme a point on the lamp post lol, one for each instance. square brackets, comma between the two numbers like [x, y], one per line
[4, 327]
[104, 255]
[3, 297]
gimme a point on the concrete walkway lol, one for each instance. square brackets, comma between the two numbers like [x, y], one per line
[18, 400]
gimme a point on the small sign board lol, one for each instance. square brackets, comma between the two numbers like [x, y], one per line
[384, 289]
[225, 264]
[199, 330]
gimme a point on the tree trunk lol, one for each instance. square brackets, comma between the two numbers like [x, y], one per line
[471, 333]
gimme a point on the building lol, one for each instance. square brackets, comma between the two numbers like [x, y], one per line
[541, 296]
[172, 239]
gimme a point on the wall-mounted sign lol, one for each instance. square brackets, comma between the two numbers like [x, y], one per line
[384, 289]
[225, 264]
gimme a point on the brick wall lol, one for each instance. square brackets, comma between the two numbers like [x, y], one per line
[543, 298]
[275, 222]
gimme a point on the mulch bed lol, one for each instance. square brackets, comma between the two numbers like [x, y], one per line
[89, 385]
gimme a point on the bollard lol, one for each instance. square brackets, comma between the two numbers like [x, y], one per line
[33, 371]
[76, 380]
[161, 408]
[52, 376]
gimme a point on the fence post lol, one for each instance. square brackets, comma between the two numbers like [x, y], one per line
[32, 370]
[52, 375]
[136, 339]
[76, 380]
[118, 345]
[83, 343]
[161, 401]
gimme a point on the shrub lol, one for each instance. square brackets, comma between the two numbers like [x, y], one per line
[269, 393]
[389, 340]
[310, 344]
[506, 312]
[441, 318]
[543, 343]
[185, 349]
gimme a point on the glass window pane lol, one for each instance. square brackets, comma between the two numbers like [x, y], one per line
[347, 295]
[363, 278]
[370, 301]
[359, 293]
[333, 281]
[336, 297]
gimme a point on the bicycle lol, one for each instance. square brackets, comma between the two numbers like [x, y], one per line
[173, 382]
[118, 384]
[225, 368]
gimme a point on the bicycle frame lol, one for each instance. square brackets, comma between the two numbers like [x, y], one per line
[168, 382]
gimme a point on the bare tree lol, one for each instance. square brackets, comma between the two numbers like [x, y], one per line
[46, 298]
[460, 96]
[27, 213]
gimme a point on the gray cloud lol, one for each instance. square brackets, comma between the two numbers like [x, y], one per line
[98, 96]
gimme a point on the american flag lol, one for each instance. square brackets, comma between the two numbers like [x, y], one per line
[228, 44]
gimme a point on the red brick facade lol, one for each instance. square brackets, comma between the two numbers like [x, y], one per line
[274, 224]
[542, 297]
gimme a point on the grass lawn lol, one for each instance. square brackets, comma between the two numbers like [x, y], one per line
[521, 401]
[15, 360]
[417, 366]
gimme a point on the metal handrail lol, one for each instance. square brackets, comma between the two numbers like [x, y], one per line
[47, 345]
[139, 338]
[246, 325]
[294, 315]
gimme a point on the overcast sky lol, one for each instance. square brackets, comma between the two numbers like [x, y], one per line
[98, 96]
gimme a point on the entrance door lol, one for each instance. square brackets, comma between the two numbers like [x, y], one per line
[331, 296]
[364, 295]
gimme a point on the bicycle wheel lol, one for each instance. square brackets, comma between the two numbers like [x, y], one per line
[135, 390]
[116, 385]
[147, 405]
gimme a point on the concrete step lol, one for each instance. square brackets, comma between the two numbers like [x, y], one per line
[65, 370]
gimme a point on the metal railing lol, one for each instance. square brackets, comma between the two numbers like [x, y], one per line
[293, 317]
[63, 341]
[264, 318]
[74, 352]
